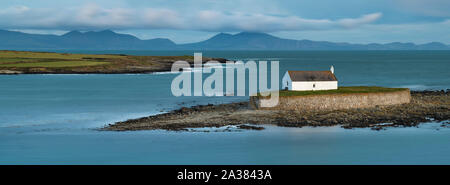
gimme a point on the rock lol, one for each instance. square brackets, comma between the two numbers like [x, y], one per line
[10, 72]
[250, 127]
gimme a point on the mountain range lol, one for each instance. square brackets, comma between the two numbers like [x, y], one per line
[109, 40]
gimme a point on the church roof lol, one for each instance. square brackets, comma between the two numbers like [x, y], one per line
[312, 76]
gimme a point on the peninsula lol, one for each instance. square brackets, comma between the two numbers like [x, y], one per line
[26, 62]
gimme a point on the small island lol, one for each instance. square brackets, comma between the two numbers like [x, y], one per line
[27, 62]
[424, 106]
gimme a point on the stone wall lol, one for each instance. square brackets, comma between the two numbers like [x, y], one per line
[336, 101]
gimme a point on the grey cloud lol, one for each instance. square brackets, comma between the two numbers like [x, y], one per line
[92, 16]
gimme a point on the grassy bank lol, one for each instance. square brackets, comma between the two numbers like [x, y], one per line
[46, 62]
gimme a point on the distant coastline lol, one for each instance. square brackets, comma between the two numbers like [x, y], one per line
[26, 62]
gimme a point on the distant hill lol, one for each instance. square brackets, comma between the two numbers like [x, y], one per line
[102, 40]
[109, 40]
[263, 41]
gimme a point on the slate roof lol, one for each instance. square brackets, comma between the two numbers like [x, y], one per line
[312, 76]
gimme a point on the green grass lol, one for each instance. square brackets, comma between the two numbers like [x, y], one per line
[341, 90]
[47, 62]
[25, 59]
[14, 60]
[54, 64]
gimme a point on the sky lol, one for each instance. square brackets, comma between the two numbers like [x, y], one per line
[184, 21]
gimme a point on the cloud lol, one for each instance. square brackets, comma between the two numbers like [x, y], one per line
[92, 16]
[360, 21]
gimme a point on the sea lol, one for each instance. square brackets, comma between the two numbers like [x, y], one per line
[55, 118]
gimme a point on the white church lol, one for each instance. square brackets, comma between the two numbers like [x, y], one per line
[309, 80]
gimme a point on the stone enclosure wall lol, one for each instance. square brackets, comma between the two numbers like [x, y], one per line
[335, 101]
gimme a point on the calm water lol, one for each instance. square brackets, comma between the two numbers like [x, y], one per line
[51, 119]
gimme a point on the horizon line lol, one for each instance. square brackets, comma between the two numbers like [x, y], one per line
[218, 33]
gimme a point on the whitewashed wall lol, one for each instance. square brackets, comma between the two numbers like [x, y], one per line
[286, 82]
[319, 85]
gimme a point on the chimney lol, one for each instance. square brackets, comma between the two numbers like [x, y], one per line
[332, 69]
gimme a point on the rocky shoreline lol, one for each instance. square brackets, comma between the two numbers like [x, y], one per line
[425, 106]
[10, 72]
